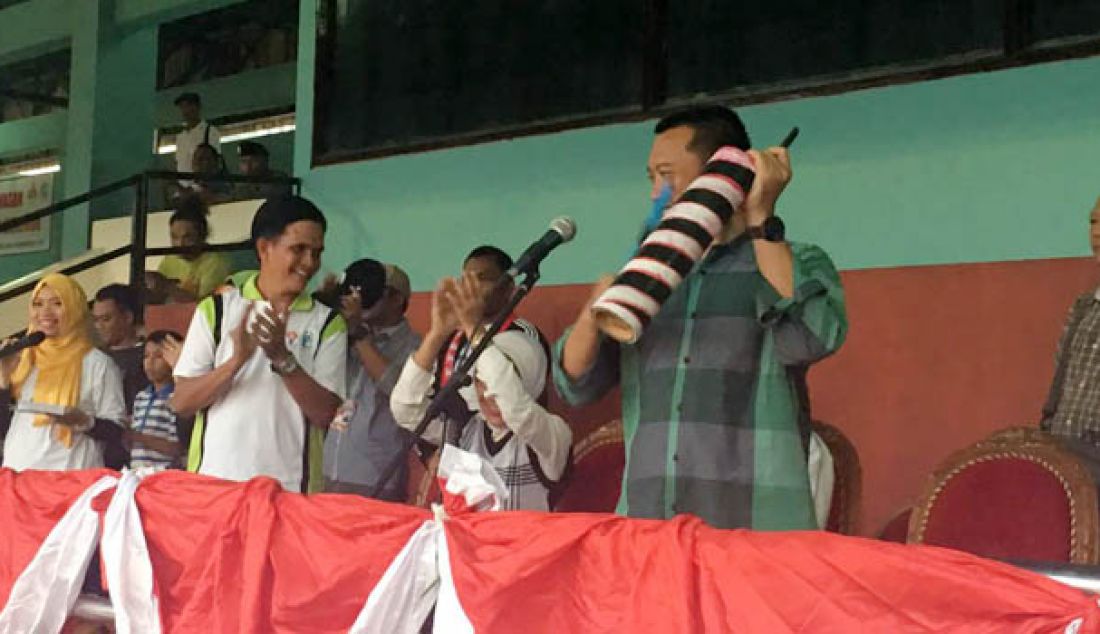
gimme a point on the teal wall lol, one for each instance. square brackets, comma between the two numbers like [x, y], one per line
[23, 136]
[984, 167]
[31, 28]
[107, 131]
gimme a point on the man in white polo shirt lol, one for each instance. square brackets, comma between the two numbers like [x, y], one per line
[263, 366]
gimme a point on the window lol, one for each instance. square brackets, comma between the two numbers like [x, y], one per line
[714, 48]
[1064, 19]
[35, 86]
[407, 75]
[409, 71]
[228, 41]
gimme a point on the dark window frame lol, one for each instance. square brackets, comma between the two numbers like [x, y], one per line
[1019, 47]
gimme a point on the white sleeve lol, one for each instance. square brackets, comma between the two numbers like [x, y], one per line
[330, 365]
[197, 354]
[409, 400]
[547, 434]
[110, 403]
[215, 137]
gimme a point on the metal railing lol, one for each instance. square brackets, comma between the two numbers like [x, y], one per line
[137, 249]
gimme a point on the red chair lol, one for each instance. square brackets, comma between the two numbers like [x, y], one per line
[1016, 495]
[847, 480]
[897, 529]
[597, 475]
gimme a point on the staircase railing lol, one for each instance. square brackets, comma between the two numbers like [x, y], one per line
[138, 249]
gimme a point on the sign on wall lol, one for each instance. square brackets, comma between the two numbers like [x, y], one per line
[20, 196]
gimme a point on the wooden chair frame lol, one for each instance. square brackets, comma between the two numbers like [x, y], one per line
[1033, 445]
[848, 473]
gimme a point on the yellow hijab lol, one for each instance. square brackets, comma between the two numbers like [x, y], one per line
[59, 359]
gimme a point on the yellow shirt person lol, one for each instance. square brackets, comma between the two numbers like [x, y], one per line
[200, 276]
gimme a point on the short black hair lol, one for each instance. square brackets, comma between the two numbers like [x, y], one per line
[499, 257]
[124, 296]
[713, 126]
[189, 97]
[275, 214]
[159, 336]
[251, 148]
[192, 209]
[208, 146]
[217, 155]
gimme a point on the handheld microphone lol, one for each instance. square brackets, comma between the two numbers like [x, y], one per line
[22, 343]
[562, 229]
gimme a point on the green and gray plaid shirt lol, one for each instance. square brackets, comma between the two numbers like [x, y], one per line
[714, 405]
[1073, 406]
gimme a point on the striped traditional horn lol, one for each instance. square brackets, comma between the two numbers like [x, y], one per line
[669, 253]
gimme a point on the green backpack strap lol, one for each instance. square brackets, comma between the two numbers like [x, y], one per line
[198, 431]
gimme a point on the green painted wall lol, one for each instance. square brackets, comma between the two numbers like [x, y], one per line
[31, 28]
[144, 12]
[23, 136]
[107, 132]
[985, 167]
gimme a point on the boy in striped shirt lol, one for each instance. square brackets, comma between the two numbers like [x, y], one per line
[154, 431]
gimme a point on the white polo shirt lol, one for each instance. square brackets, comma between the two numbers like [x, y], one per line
[189, 139]
[30, 447]
[257, 428]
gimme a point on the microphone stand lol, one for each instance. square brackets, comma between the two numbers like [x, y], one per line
[442, 401]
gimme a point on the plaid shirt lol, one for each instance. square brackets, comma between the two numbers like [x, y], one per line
[1073, 407]
[714, 409]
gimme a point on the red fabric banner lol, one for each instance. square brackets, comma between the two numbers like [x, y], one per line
[232, 557]
[248, 557]
[31, 504]
[532, 573]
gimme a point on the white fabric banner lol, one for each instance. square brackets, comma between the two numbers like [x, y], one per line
[412, 582]
[126, 561]
[406, 593]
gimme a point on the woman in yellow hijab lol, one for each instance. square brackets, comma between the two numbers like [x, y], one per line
[67, 394]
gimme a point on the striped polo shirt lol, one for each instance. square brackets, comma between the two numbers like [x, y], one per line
[152, 416]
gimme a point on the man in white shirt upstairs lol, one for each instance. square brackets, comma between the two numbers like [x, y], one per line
[196, 131]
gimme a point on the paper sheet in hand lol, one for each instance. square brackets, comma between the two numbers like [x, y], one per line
[41, 408]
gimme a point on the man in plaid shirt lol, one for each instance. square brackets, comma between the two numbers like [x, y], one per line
[1072, 409]
[715, 411]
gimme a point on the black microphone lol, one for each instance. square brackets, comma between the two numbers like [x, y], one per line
[22, 343]
[561, 230]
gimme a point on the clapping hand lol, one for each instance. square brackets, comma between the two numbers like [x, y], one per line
[170, 349]
[467, 300]
[244, 343]
[269, 332]
[444, 320]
